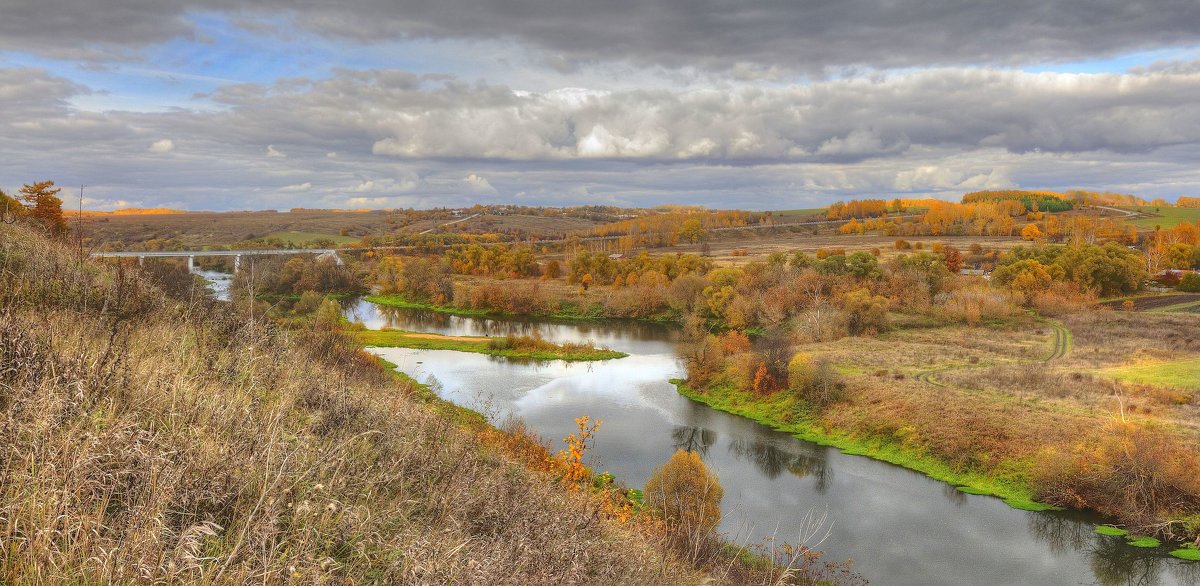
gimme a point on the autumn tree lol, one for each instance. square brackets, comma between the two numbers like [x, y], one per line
[1026, 277]
[693, 231]
[865, 313]
[952, 258]
[814, 381]
[689, 496]
[10, 208]
[41, 199]
[1031, 232]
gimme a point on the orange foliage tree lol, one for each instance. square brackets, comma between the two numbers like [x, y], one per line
[574, 471]
[43, 203]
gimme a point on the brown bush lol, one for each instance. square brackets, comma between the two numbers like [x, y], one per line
[1138, 474]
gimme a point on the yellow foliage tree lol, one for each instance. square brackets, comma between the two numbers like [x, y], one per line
[1031, 232]
[688, 494]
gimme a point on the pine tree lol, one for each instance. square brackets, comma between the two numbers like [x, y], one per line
[43, 203]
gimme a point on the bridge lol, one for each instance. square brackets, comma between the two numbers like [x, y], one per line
[236, 254]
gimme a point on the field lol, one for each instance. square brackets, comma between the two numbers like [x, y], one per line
[299, 238]
[525, 225]
[802, 214]
[736, 248]
[1180, 374]
[196, 229]
[1167, 217]
[1168, 303]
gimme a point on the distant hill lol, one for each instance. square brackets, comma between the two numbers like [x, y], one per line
[136, 212]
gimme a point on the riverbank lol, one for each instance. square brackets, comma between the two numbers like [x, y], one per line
[565, 312]
[508, 347]
[1014, 491]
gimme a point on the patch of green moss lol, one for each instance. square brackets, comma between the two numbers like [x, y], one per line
[1143, 541]
[1190, 553]
[1110, 530]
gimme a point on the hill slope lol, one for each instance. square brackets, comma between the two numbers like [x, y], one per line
[152, 439]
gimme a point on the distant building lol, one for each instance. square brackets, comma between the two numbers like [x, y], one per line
[615, 256]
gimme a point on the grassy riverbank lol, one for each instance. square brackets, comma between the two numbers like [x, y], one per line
[508, 347]
[564, 312]
[784, 413]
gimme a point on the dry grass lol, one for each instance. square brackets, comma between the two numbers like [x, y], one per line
[1115, 338]
[151, 440]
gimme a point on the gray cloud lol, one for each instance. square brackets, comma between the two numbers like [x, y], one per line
[755, 39]
[410, 140]
[402, 115]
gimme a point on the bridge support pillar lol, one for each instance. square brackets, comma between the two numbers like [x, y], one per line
[237, 263]
[337, 258]
[141, 261]
[191, 264]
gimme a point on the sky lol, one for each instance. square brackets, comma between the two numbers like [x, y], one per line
[757, 104]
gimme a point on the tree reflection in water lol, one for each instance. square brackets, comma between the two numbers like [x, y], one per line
[955, 496]
[693, 439]
[1113, 562]
[1063, 532]
[772, 461]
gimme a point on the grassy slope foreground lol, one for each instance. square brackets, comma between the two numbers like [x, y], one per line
[149, 440]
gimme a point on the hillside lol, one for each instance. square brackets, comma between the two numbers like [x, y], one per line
[155, 439]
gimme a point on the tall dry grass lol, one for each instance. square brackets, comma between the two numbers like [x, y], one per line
[148, 439]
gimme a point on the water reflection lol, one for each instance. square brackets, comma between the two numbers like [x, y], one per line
[773, 461]
[218, 282]
[693, 439]
[631, 337]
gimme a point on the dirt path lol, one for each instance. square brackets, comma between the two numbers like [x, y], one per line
[1061, 343]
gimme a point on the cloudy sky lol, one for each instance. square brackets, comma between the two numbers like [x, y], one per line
[768, 104]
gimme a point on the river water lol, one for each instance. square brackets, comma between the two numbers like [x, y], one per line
[898, 526]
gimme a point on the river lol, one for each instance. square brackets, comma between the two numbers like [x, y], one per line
[898, 526]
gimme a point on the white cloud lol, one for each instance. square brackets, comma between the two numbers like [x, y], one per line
[274, 153]
[165, 145]
[297, 188]
[478, 184]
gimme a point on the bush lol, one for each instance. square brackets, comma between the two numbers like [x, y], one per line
[1134, 473]
[865, 313]
[1189, 283]
[814, 381]
[974, 303]
[309, 302]
[689, 496]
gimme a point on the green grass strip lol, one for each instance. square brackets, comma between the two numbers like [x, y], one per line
[1110, 530]
[402, 339]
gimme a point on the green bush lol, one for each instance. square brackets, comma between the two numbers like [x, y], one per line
[1190, 283]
